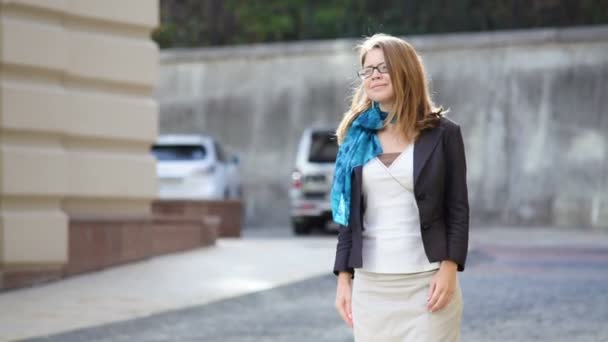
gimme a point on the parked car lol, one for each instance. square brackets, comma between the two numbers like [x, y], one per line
[195, 167]
[311, 180]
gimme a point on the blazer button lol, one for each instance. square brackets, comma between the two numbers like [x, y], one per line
[426, 226]
[421, 197]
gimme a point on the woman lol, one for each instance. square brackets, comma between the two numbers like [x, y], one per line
[400, 197]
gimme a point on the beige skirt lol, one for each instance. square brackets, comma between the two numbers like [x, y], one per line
[392, 307]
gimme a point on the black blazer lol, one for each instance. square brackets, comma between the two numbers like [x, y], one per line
[440, 188]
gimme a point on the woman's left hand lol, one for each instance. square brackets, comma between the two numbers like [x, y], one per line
[442, 287]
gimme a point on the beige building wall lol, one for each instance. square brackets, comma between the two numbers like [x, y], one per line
[76, 120]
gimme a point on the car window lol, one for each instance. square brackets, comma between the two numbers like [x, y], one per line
[323, 147]
[179, 152]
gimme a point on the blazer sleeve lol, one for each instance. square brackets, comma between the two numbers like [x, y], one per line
[345, 241]
[456, 198]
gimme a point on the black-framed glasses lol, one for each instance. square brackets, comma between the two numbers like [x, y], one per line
[369, 71]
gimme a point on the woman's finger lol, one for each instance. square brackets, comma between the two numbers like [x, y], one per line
[441, 302]
[343, 306]
[349, 312]
[434, 297]
[431, 290]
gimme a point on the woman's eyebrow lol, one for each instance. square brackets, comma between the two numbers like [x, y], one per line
[377, 65]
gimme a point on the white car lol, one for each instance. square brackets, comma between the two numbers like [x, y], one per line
[195, 167]
[311, 180]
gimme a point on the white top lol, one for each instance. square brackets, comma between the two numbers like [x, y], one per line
[392, 242]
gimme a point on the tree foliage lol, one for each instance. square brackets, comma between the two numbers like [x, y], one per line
[188, 23]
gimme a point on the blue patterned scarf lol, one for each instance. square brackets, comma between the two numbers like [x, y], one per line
[360, 145]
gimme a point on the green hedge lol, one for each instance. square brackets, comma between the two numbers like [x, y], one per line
[188, 23]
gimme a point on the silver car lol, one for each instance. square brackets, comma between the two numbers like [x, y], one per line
[195, 167]
[311, 180]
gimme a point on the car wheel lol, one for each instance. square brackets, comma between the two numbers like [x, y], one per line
[301, 228]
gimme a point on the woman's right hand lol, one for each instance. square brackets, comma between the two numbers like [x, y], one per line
[343, 297]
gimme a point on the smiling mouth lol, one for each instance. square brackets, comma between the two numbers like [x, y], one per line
[378, 86]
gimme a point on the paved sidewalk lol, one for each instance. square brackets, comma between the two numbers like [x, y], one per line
[234, 267]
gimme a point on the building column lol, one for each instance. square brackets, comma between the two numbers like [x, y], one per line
[77, 118]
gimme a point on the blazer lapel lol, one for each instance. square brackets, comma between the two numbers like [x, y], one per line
[358, 174]
[357, 191]
[423, 147]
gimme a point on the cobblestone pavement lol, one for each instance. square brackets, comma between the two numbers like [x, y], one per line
[513, 291]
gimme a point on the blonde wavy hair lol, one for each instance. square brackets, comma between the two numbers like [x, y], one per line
[413, 107]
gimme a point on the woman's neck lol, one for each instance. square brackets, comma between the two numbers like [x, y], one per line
[386, 106]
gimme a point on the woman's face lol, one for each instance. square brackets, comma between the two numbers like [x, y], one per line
[377, 84]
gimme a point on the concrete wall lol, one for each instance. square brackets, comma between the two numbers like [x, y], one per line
[76, 120]
[532, 105]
